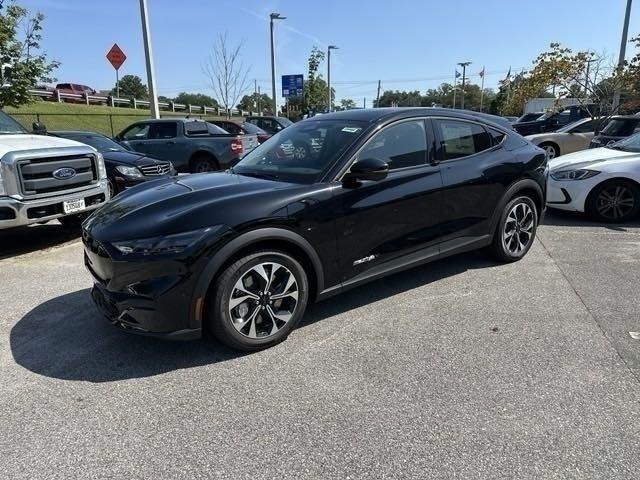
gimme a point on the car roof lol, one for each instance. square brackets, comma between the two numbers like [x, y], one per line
[395, 113]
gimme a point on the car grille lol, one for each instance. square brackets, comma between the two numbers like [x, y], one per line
[37, 174]
[156, 169]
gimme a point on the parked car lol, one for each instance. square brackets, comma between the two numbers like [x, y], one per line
[190, 145]
[242, 128]
[44, 178]
[243, 252]
[529, 117]
[270, 125]
[552, 121]
[602, 182]
[618, 127]
[511, 119]
[74, 88]
[125, 168]
[574, 137]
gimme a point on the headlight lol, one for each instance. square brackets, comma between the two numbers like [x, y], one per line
[167, 244]
[574, 174]
[129, 171]
[102, 170]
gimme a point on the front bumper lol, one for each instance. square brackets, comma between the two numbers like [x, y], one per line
[571, 195]
[150, 297]
[17, 213]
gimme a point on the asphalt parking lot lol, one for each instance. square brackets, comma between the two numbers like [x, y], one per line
[459, 369]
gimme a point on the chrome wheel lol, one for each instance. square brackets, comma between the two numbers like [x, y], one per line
[551, 151]
[203, 167]
[263, 300]
[615, 202]
[518, 228]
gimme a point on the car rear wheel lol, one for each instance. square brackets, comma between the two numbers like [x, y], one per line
[614, 201]
[516, 230]
[258, 300]
[203, 164]
[552, 150]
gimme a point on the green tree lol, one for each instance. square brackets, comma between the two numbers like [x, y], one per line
[315, 88]
[131, 86]
[199, 99]
[255, 102]
[346, 104]
[21, 52]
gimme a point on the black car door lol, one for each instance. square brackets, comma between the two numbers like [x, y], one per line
[475, 171]
[381, 221]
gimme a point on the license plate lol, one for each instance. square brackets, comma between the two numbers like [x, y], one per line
[71, 206]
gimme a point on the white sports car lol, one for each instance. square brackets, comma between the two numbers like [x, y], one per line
[603, 182]
[570, 138]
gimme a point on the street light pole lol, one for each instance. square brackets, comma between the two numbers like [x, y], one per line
[274, 16]
[148, 53]
[329, 48]
[464, 66]
[623, 49]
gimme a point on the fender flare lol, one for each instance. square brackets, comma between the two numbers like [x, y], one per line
[514, 188]
[238, 243]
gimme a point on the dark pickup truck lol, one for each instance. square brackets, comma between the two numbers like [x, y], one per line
[190, 145]
[552, 121]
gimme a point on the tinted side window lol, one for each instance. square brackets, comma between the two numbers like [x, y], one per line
[586, 127]
[163, 130]
[460, 139]
[231, 127]
[401, 145]
[137, 132]
[497, 135]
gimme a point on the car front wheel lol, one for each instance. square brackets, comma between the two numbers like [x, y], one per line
[614, 201]
[552, 150]
[516, 230]
[258, 300]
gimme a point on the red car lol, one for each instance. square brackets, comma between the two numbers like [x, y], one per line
[242, 128]
[76, 89]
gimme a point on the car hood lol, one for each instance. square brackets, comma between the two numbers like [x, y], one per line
[18, 142]
[591, 158]
[544, 136]
[185, 203]
[132, 159]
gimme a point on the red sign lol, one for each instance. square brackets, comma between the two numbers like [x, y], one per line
[116, 56]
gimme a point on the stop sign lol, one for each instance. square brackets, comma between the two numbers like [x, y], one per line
[116, 56]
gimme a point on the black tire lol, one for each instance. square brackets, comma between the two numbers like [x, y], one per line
[112, 189]
[204, 164]
[506, 248]
[624, 196]
[552, 149]
[219, 316]
[72, 221]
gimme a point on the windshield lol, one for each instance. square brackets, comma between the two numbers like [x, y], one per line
[300, 153]
[629, 144]
[99, 142]
[251, 128]
[529, 117]
[9, 125]
[620, 127]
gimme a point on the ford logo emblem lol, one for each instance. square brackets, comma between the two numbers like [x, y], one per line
[64, 173]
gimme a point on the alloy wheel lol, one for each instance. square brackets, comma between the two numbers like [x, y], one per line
[518, 228]
[551, 151]
[263, 300]
[203, 167]
[615, 202]
[300, 152]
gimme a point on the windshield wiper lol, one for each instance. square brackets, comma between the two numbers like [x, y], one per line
[265, 176]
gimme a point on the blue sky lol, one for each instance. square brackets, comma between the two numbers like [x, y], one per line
[408, 44]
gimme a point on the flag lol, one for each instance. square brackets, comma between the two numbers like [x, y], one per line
[458, 74]
[481, 73]
[507, 79]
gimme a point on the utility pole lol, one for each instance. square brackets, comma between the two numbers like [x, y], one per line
[586, 81]
[623, 49]
[274, 16]
[464, 66]
[364, 102]
[378, 97]
[329, 48]
[455, 87]
[148, 53]
[259, 101]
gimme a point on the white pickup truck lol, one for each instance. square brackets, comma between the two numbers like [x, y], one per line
[44, 178]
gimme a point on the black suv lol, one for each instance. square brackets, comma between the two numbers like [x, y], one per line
[241, 253]
[552, 121]
[619, 127]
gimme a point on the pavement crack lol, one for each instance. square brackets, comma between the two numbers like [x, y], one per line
[589, 311]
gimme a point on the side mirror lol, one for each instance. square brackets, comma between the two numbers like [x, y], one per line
[368, 169]
[39, 128]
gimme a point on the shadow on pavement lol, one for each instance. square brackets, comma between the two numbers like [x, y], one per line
[67, 338]
[21, 240]
[560, 218]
